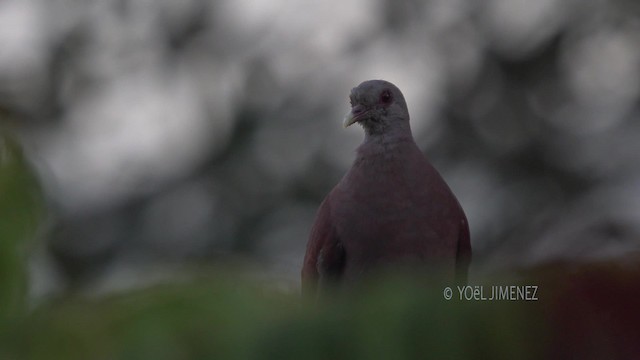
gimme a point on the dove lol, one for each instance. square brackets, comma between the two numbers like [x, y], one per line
[392, 210]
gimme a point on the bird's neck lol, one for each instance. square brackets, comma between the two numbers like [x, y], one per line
[390, 145]
[387, 136]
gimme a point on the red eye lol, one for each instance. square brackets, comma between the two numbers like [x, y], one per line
[385, 97]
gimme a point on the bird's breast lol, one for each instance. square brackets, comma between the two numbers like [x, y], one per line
[391, 212]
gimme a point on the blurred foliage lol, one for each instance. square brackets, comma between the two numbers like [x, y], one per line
[584, 311]
[20, 213]
[225, 317]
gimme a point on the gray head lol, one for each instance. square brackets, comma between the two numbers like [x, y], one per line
[378, 106]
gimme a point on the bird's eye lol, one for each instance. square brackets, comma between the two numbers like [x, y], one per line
[385, 97]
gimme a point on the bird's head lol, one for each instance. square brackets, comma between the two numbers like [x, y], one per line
[377, 105]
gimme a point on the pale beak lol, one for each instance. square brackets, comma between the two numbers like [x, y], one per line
[353, 116]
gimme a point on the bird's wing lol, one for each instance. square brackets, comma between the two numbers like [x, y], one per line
[325, 256]
[463, 253]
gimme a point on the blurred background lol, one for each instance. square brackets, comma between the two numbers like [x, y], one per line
[171, 134]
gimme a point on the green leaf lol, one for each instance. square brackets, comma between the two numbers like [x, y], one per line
[20, 213]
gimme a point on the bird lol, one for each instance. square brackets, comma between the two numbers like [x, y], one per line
[392, 210]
